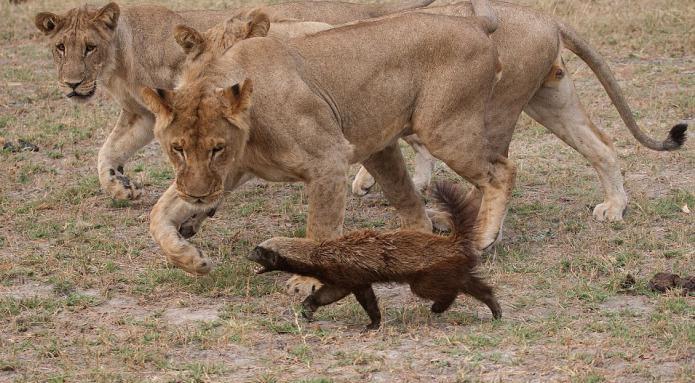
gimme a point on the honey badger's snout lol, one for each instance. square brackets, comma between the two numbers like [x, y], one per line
[268, 259]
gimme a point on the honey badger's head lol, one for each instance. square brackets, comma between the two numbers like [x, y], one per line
[273, 254]
[268, 259]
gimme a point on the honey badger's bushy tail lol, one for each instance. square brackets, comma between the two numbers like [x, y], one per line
[463, 213]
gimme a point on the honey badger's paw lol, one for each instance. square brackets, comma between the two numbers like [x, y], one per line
[118, 186]
[610, 211]
[303, 286]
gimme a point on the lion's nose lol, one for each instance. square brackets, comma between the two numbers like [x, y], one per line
[73, 85]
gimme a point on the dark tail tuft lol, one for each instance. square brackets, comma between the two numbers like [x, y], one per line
[463, 213]
[677, 137]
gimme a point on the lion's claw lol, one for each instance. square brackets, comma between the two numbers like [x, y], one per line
[120, 187]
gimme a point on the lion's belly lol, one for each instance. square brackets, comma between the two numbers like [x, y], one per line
[373, 137]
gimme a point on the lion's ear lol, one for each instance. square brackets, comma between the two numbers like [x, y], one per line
[259, 25]
[189, 39]
[47, 22]
[237, 98]
[108, 15]
[157, 101]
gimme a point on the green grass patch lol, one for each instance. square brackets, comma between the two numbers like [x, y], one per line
[235, 277]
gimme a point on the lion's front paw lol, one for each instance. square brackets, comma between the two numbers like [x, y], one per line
[120, 187]
[302, 285]
[195, 263]
[363, 183]
[608, 211]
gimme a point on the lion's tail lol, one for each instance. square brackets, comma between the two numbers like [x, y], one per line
[463, 214]
[572, 41]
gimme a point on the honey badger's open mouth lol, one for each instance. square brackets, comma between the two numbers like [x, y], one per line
[266, 259]
[261, 270]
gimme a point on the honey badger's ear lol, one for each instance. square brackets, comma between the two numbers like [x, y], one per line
[108, 16]
[237, 99]
[189, 39]
[47, 22]
[259, 24]
[157, 101]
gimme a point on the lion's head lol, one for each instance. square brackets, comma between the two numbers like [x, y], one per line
[204, 128]
[202, 131]
[216, 40]
[81, 42]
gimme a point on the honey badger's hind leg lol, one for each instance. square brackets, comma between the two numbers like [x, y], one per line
[438, 287]
[367, 299]
[325, 295]
[443, 303]
[478, 289]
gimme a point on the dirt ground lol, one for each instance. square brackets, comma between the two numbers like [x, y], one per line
[86, 295]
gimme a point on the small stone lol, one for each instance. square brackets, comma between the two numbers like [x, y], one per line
[26, 146]
[685, 209]
[628, 283]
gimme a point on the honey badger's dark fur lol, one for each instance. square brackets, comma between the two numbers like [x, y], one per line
[435, 267]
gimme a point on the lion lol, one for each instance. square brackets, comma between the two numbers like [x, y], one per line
[306, 109]
[111, 46]
[537, 82]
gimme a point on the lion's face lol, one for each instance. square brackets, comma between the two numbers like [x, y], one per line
[204, 136]
[81, 43]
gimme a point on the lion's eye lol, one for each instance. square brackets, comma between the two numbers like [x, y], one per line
[217, 149]
[61, 48]
[177, 148]
[89, 48]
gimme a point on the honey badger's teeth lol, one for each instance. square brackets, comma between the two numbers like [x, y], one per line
[261, 270]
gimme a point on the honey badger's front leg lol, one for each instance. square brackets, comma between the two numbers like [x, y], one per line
[367, 299]
[325, 295]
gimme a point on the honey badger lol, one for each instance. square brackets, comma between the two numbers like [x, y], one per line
[436, 267]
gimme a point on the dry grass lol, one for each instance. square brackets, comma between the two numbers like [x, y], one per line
[85, 294]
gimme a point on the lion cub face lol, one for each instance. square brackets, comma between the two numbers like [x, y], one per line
[81, 43]
[203, 134]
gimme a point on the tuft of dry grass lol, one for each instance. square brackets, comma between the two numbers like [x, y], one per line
[85, 294]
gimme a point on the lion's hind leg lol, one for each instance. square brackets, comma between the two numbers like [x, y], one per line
[557, 107]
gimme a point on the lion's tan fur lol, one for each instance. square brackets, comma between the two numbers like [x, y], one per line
[124, 60]
[312, 115]
[536, 81]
